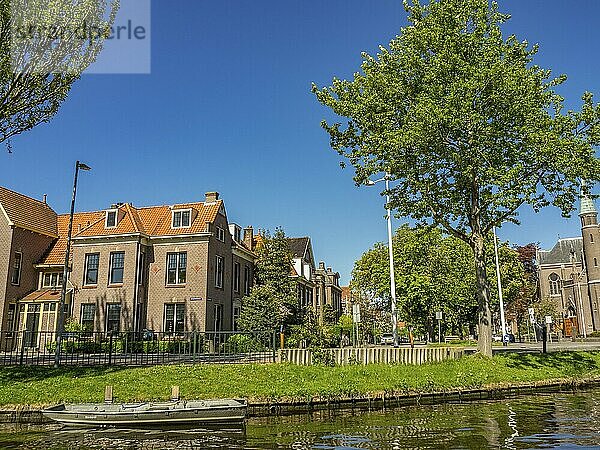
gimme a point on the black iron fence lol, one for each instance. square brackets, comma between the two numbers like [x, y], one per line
[136, 349]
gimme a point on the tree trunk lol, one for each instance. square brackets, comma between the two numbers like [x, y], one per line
[484, 343]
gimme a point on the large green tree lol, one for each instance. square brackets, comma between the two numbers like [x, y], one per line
[434, 272]
[273, 300]
[44, 49]
[466, 124]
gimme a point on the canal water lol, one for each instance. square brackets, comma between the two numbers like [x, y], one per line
[560, 421]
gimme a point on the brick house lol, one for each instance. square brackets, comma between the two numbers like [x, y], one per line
[167, 268]
[27, 228]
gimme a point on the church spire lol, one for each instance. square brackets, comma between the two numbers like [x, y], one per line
[588, 205]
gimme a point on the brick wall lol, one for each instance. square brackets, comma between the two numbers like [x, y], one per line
[159, 293]
[104, 293]
[5, 246]
[32, 246]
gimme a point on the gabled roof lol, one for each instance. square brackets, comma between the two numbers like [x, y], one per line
[56, 253]
[298, 246]
[561, 252]
[27, 213]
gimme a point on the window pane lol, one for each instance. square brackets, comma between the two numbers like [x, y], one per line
[111, 219]
[91, 263]
[182, 267]
[171, 268]
[185, 219]
[117, 263]
[180, 318]
[16, 275]
[113, 318]
[176, 219]
[169, 318]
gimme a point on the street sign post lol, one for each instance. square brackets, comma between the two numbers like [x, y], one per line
[356, 320]
[438, 316]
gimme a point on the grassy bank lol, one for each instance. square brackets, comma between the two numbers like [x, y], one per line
[44, 385]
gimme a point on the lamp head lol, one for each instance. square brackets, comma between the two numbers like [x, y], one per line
[84, 166]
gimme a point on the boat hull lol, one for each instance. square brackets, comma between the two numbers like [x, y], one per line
[149, 414]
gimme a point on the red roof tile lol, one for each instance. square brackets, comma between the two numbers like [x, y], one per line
[28, 213]
[151, 221]
[43, 295]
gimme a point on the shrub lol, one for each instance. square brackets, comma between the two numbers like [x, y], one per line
[242, 343]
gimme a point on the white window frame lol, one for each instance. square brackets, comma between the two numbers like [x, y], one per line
[181, 224]
[178, 267]
[108, 213]
[107, 318]
[86, 269]
[81, 308]
[220, 234]
[219, 275]
[111, 267]
[13, 267]
[554, 285]
[55, 279]
[177, 308]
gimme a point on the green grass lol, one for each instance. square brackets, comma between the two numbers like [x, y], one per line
[45, 385]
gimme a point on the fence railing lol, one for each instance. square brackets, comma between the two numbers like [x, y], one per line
[143, 348]
[369, 355]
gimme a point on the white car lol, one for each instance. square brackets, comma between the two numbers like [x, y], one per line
[387, 339]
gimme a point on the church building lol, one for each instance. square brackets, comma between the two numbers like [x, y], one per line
[569, 275]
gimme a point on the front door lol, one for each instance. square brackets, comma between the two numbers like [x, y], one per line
[32, 323]
[570, 326]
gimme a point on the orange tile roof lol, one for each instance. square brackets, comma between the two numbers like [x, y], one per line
[151, 221]
[56, 253]
[52, 294]
[28, 213]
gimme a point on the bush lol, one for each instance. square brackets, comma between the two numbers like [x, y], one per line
[242, 343]
[322, 356]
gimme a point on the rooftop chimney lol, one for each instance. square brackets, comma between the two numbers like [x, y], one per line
[249, 237]
[45, 199]
[212, 197]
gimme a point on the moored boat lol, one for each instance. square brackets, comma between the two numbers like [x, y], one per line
[206, 412]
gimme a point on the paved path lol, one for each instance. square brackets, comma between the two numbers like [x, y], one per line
[563, 345]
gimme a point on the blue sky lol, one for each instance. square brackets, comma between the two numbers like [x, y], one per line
[227, 107]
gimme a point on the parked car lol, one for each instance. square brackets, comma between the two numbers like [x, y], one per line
[387, 339]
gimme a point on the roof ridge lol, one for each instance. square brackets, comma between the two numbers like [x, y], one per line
[92, 223]
[26, 196]
[130, 209]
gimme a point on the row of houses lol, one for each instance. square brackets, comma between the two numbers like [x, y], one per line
[168, 269]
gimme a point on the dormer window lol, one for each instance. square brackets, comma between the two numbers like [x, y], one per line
[111, 218]
[182, 218]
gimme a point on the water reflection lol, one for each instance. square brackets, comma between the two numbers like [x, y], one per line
[563, 421]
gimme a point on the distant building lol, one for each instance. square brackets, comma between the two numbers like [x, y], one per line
[317, 287]
[569, 275]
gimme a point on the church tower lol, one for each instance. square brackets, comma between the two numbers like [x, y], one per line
[591, 251]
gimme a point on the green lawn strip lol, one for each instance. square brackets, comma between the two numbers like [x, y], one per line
[281, 382]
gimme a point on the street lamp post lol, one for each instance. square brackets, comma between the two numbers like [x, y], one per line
[63, 292]
[502, 317]
[391, 255]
